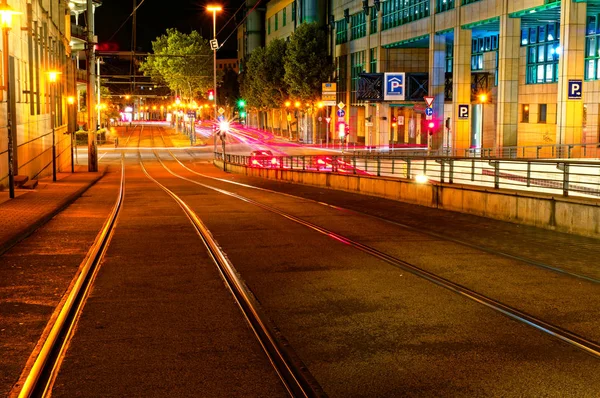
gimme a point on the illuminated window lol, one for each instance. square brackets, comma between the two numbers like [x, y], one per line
[592, 48]
[357, 65]
[525, 113]
[373, 15]
[479, 46]
[341, 31]
[358, 28]
[373, 60]
[400, 12]
[444, 5]
[543, 50]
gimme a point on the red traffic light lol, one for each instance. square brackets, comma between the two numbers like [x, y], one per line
[431, 125]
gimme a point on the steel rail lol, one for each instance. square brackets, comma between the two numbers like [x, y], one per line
[564, 335]
[409, 227]
[45, 367]
[294, 374]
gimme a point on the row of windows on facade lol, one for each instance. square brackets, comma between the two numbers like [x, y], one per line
[394, 13]
[31, 85]
[275, 18]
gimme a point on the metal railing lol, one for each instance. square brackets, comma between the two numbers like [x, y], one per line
[565, 177]
[556, 151]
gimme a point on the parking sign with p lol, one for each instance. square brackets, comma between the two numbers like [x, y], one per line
[463, 111]
[575, 87]
[394, 87]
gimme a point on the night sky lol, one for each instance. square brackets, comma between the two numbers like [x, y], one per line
[154, 17]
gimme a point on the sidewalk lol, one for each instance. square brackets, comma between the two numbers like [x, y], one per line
[30, 209]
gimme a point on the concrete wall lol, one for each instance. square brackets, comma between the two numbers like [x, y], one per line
[572, 215]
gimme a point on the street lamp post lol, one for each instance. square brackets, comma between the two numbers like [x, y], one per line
[214, 9]
[53, 78]
[6, 13]
[483, 99]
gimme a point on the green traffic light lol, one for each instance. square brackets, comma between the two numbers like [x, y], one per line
[242, 114]
[241, 103]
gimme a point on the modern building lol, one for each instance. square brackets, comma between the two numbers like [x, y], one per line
[501, 73]
[40, 74]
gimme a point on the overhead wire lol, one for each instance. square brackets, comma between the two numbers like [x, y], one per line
[126, 19]
[241, 22]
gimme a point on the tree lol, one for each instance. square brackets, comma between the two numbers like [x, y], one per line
[307, 63]
[252, 81]
[229, 89]
[183, 62]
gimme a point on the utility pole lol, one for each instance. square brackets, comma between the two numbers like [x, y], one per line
[91, 80]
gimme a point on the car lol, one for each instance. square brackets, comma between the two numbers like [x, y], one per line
[263, 158]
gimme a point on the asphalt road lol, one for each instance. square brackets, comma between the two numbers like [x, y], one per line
[159, 321]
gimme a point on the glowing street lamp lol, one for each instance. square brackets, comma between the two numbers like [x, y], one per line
[214, 8]
[6, 14]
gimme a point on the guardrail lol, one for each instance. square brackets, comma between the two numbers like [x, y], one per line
[565, 177]
[562, 151]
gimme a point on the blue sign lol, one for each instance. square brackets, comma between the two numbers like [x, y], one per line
[394, 87]
[428, 111]
[341, 113]
[221, 118]
[575, 87]
[463, 111]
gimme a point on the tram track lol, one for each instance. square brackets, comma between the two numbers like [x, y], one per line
[436, 235]
[292, 372]
[573, 339]
[38, 382]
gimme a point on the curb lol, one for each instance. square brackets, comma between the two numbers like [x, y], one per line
[21, 235]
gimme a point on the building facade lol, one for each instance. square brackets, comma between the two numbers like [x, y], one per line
[502, 73]
[38, 70]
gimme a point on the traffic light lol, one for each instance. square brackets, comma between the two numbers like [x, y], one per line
[342, 130]
[242, 114]
[431, 125]
[211, 95]
[241, 104]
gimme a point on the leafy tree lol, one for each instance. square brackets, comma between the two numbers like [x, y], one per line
[307, 63]
[183, 62]
[253, 79]
[229, 89]
[263, 84]
[275, 92]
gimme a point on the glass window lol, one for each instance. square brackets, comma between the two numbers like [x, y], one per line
[532, 35]
[551, 34]
[542, 34]
[284, 17]
[542, 113]
[591, 25]
[541, 53]
[524, 113]
[542, 57]
[524, 37]
[293, 11]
